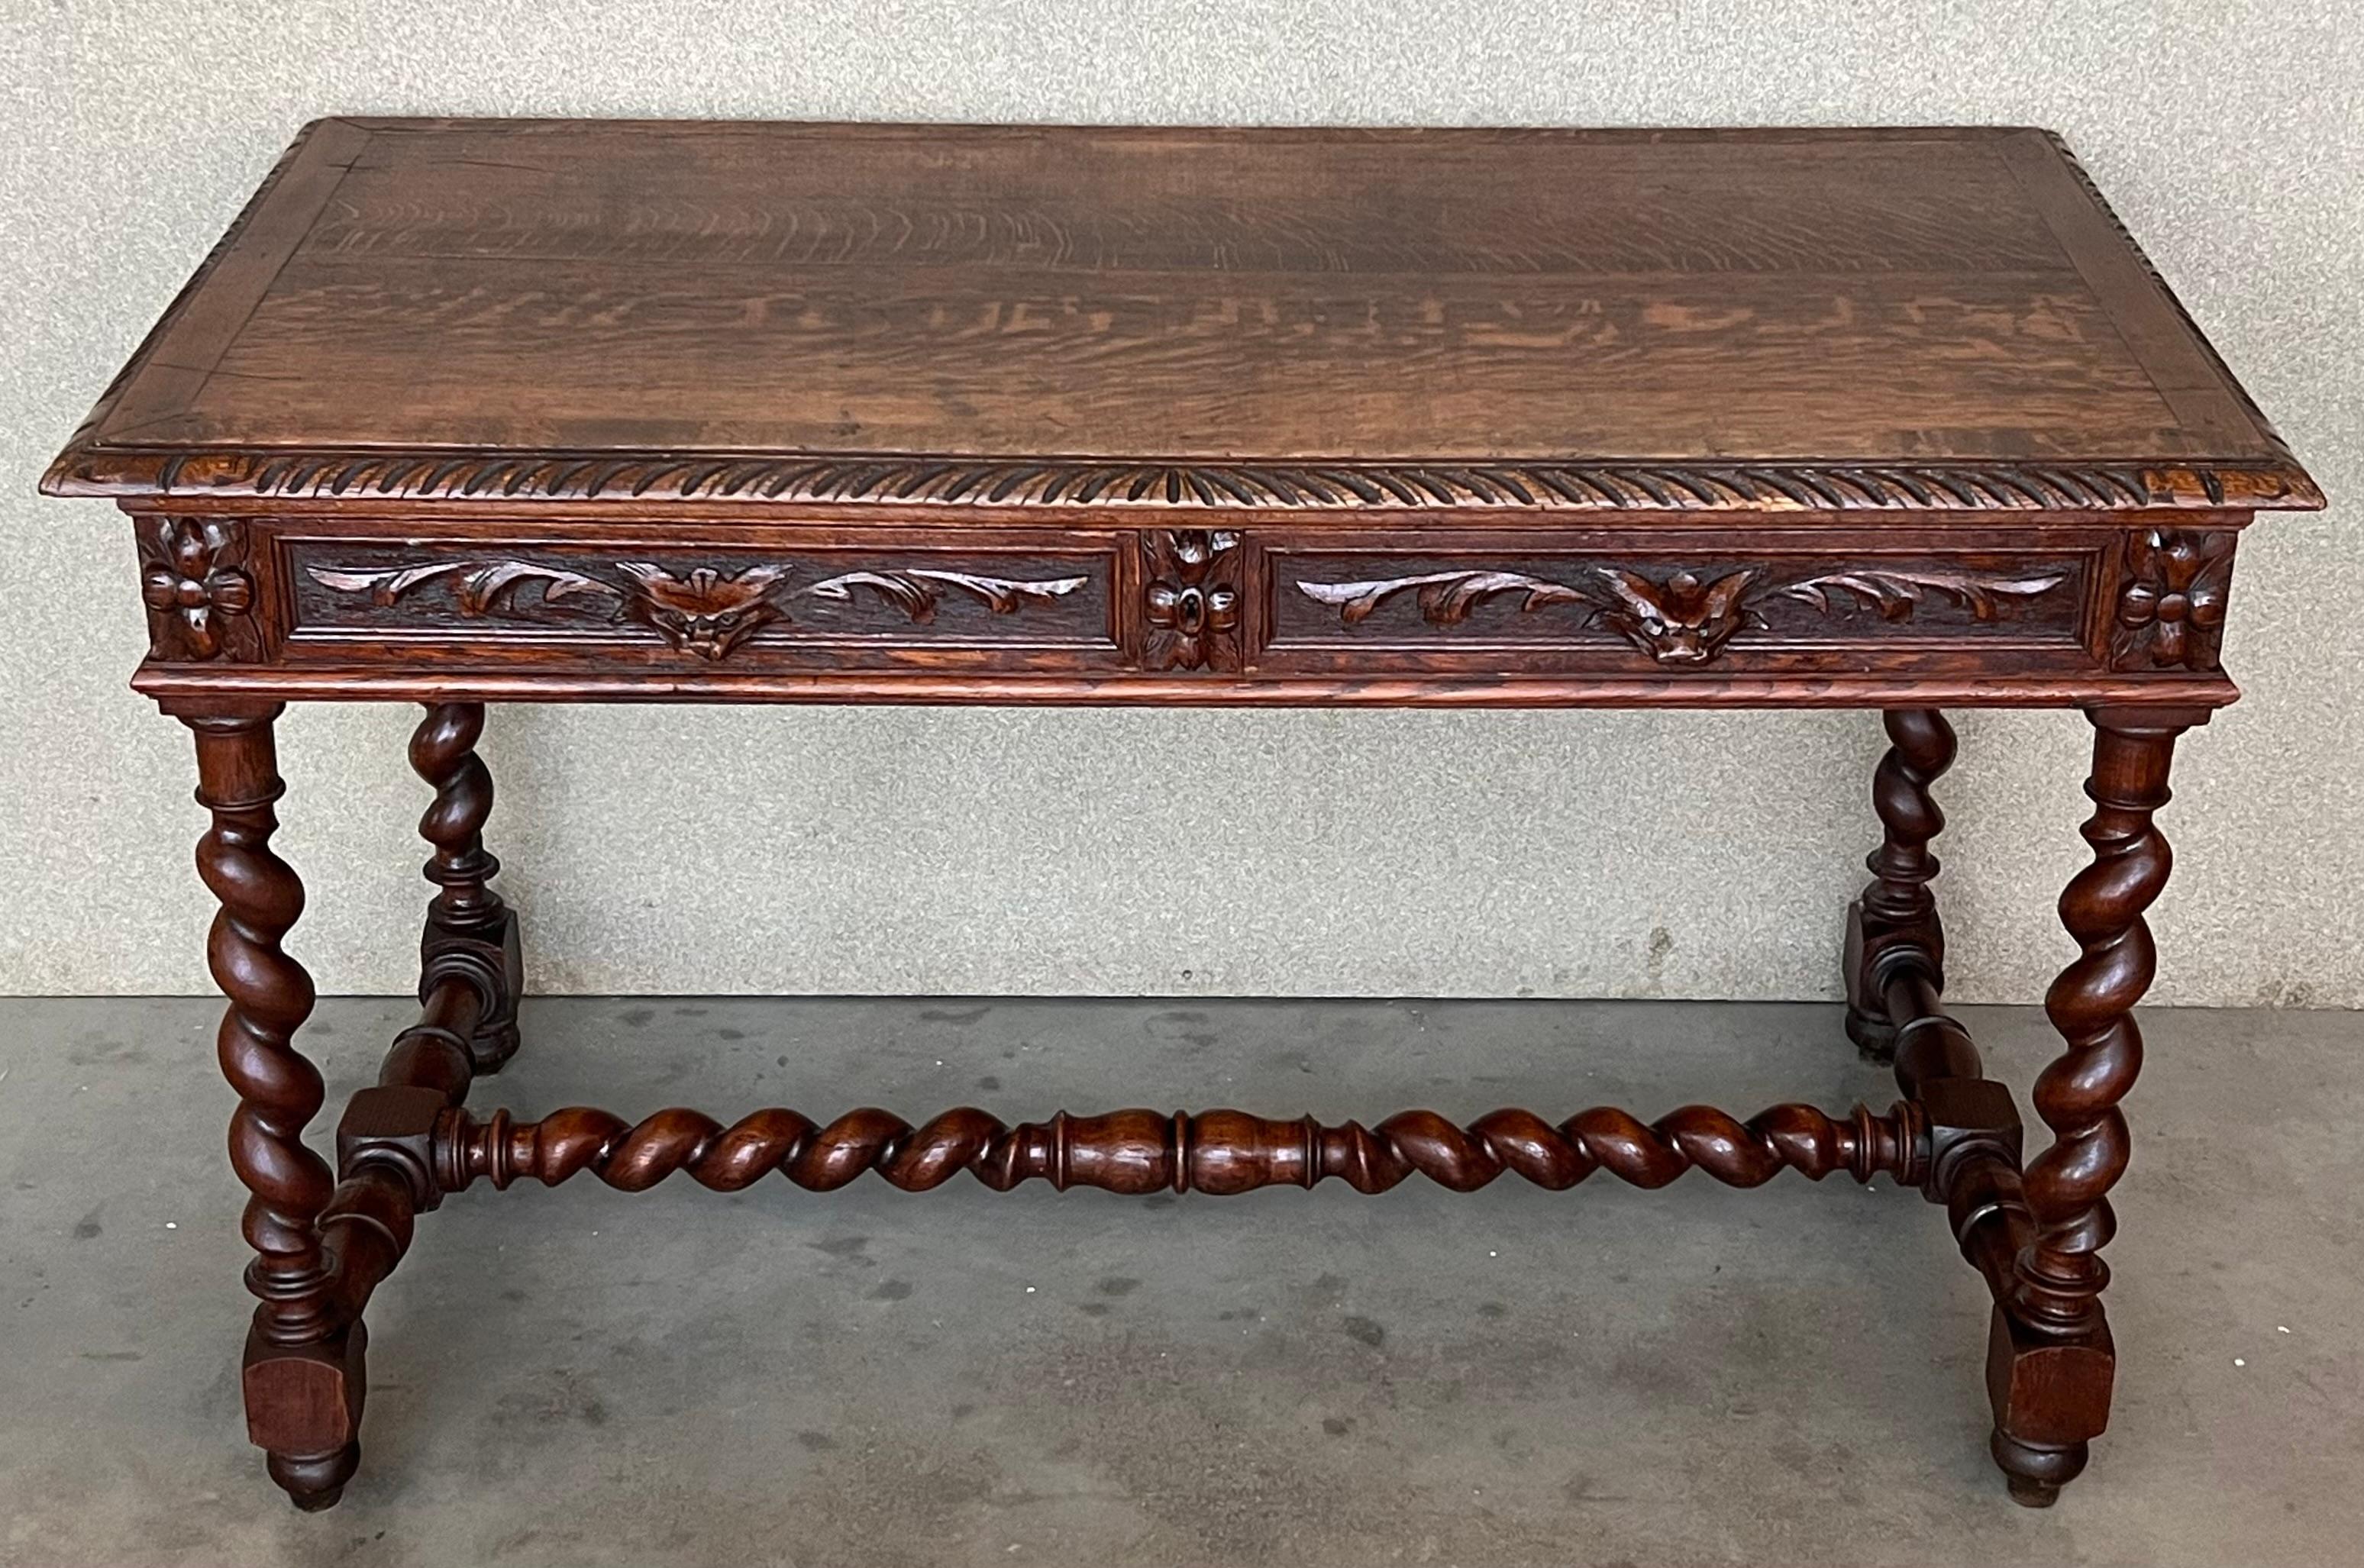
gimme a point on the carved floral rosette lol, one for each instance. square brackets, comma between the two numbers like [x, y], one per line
[195, 580]
[2171, 602]
[1191, 596]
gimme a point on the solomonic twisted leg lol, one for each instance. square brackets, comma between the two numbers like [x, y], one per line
[1895, 921]
[302, 1371]
[2050, 1362]
[469, 930]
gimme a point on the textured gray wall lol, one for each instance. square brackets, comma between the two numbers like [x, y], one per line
[989, 851]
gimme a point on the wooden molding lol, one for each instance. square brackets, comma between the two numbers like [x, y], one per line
[902, 480]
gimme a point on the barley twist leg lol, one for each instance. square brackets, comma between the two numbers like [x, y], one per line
[469, 930]
[301, 1370]
[2051, 1362]
[1895, 922]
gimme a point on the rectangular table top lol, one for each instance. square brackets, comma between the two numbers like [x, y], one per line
[911, 316]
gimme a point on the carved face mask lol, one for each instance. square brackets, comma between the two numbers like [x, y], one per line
[706, 613]
[1681, 620]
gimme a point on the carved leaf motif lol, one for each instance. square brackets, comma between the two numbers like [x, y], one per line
[1680, 620]
[1445, 598]
[195, 583]
[1190, 599]
[384, 587]
[1896, 594]
[903, 590]
[483, 588]
[916, 592]
[705, 590]
[480, 590]
[2171, 603]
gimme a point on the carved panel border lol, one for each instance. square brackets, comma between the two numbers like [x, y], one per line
[1682, 617]
[712, 600]
[1623, 601]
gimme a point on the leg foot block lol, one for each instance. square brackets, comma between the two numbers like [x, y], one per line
[1875, 1038]
[2050, 1396]
[304, 1407]
[496, 1038]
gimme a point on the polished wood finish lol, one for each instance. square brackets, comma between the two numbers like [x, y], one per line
[470, 932]
[463, 412]
[1081, 316]
[2092, 1005]
[300, 1406]
[1141, 1152]
[1895, 922]
[599, 411]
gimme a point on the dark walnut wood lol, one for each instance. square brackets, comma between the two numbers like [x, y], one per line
[475, 410]
[470, 933]
[1895, 923]
[1140, 1152]
[461, 412]
[1016, 317]
[301, 1403]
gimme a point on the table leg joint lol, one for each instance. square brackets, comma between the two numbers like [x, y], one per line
[392, 1127]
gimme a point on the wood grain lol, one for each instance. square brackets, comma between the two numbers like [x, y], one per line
[464, 412]
[916, 315]
[1141, 1152]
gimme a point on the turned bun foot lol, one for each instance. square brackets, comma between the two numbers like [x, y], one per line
[1874, 1037]
[2036, 1471]
[490, 1049]
[315, 1482]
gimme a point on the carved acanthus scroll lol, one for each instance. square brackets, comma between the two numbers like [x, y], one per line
[1685, 618]
[707, 612]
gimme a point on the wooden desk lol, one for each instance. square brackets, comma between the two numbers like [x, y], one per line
[465, 412]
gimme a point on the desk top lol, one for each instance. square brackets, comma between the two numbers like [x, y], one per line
[911, 319]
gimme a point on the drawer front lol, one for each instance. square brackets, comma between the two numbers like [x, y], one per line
[2056, 609]
[1516, 603]
[841, 602]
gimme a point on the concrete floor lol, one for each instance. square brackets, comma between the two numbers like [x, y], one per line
[1513, 1377]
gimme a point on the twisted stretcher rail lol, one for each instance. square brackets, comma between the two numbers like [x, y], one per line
[1143, 1150]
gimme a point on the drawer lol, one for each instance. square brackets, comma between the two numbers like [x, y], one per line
[837, 601]
[1651, 604]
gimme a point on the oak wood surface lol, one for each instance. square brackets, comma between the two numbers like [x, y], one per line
[911, 316]
[472, 411]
